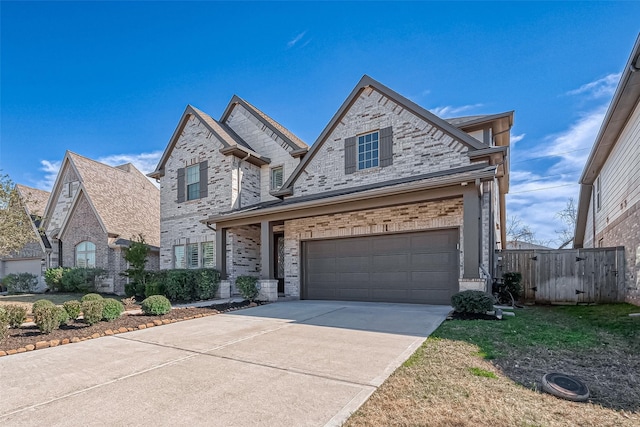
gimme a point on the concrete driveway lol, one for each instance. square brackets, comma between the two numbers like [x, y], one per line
[298, 363]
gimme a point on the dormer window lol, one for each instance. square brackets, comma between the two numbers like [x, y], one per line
[277, 175]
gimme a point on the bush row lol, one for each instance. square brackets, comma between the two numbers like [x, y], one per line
[178, 285]
[64, 279]
[20, 283]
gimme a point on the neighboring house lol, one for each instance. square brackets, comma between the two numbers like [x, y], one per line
[94, 211]
[516, 244]
[391, 203]
[609, 204]
[32, 257]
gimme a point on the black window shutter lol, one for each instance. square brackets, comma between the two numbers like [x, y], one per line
[350, 155]
[386, 146]
[181, 185]
[204, 179]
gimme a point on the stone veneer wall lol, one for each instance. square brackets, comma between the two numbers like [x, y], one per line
[413, 217]
[243, 253]
[418, 147]
[180, 222]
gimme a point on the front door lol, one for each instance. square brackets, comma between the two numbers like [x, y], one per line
[278, 259]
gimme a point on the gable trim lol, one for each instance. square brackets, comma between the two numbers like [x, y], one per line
[72, 208]
[296, 147]
[55, 191]
[229, 141]
[414, 108]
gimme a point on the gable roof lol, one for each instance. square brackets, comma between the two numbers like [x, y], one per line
[232, 143]
[124, 200]
[35, 199]
[471, 121]
[364, 83]
[285, 134]
[625, 100]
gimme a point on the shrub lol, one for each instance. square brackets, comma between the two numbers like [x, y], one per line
[4, 323]
[153, 288]
[53, 278]
[472, 302]
[41, 303]
[21, 282]
[156, 305]
[248, 287]
[47, 317]
[112, 309]
[135, 289]
[80, 279]
[91, 297]
[187, 285]
[73, 309]
[92, 311]
[63, 316]
[512, 283]
[16, 315]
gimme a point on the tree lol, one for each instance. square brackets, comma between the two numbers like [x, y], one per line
[136, 255]
[16, 228]
[568, 216]
[518, 232]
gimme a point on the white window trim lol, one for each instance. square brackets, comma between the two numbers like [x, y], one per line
[272, 180]
[195, 167]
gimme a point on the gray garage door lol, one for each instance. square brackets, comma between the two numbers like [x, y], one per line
[409, 267]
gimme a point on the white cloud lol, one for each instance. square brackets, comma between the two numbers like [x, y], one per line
[291, 43]
[604, 87]
[451, 111]
[517, 138]
[144, 162]
[536, 197]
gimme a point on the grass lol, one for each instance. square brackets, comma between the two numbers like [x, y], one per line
[478, 372]
[26, 300]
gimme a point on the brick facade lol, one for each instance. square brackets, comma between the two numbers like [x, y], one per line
[418, 147]
[415, 217]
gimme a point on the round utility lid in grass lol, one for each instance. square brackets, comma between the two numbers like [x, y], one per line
[564, 386]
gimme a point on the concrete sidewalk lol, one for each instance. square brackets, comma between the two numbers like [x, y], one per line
[302, 363]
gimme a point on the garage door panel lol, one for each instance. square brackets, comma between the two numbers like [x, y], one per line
[420, 267]
[390, 262]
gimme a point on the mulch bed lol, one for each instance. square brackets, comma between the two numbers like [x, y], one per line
[454, 315]
[20, 340]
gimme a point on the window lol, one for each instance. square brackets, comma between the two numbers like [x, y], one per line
[208, 255]
[193, 182]
[86, 255]
[195, 255]
[277, 174]
[368, 151]
[178, 257]
[192, 255]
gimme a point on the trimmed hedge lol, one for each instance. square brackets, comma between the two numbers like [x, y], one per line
[21, 282]
[91, 297]
[248, 287]
[472, 302]
[186, 285]
[4, 323]
[73, 309]
[92, 311]
[16, 315]
[156, 305]
[112, 309]
[48, 317]
[40, 303]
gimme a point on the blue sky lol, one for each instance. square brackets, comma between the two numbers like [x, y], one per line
[110, 80]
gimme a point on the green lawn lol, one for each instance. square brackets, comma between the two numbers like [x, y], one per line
[482, 372]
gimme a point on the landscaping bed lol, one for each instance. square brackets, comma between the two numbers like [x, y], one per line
[28, 338]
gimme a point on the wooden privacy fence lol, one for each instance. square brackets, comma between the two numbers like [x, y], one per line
[567, 276]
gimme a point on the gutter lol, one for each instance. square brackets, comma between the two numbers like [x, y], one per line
[488, 173]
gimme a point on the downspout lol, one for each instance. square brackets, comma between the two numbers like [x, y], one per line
[593, 217]
[238, 176]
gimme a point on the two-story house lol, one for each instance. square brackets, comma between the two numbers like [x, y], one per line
[390, 203]
[94, 212]
[609, 203]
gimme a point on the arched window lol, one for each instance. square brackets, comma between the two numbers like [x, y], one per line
[86, 255]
